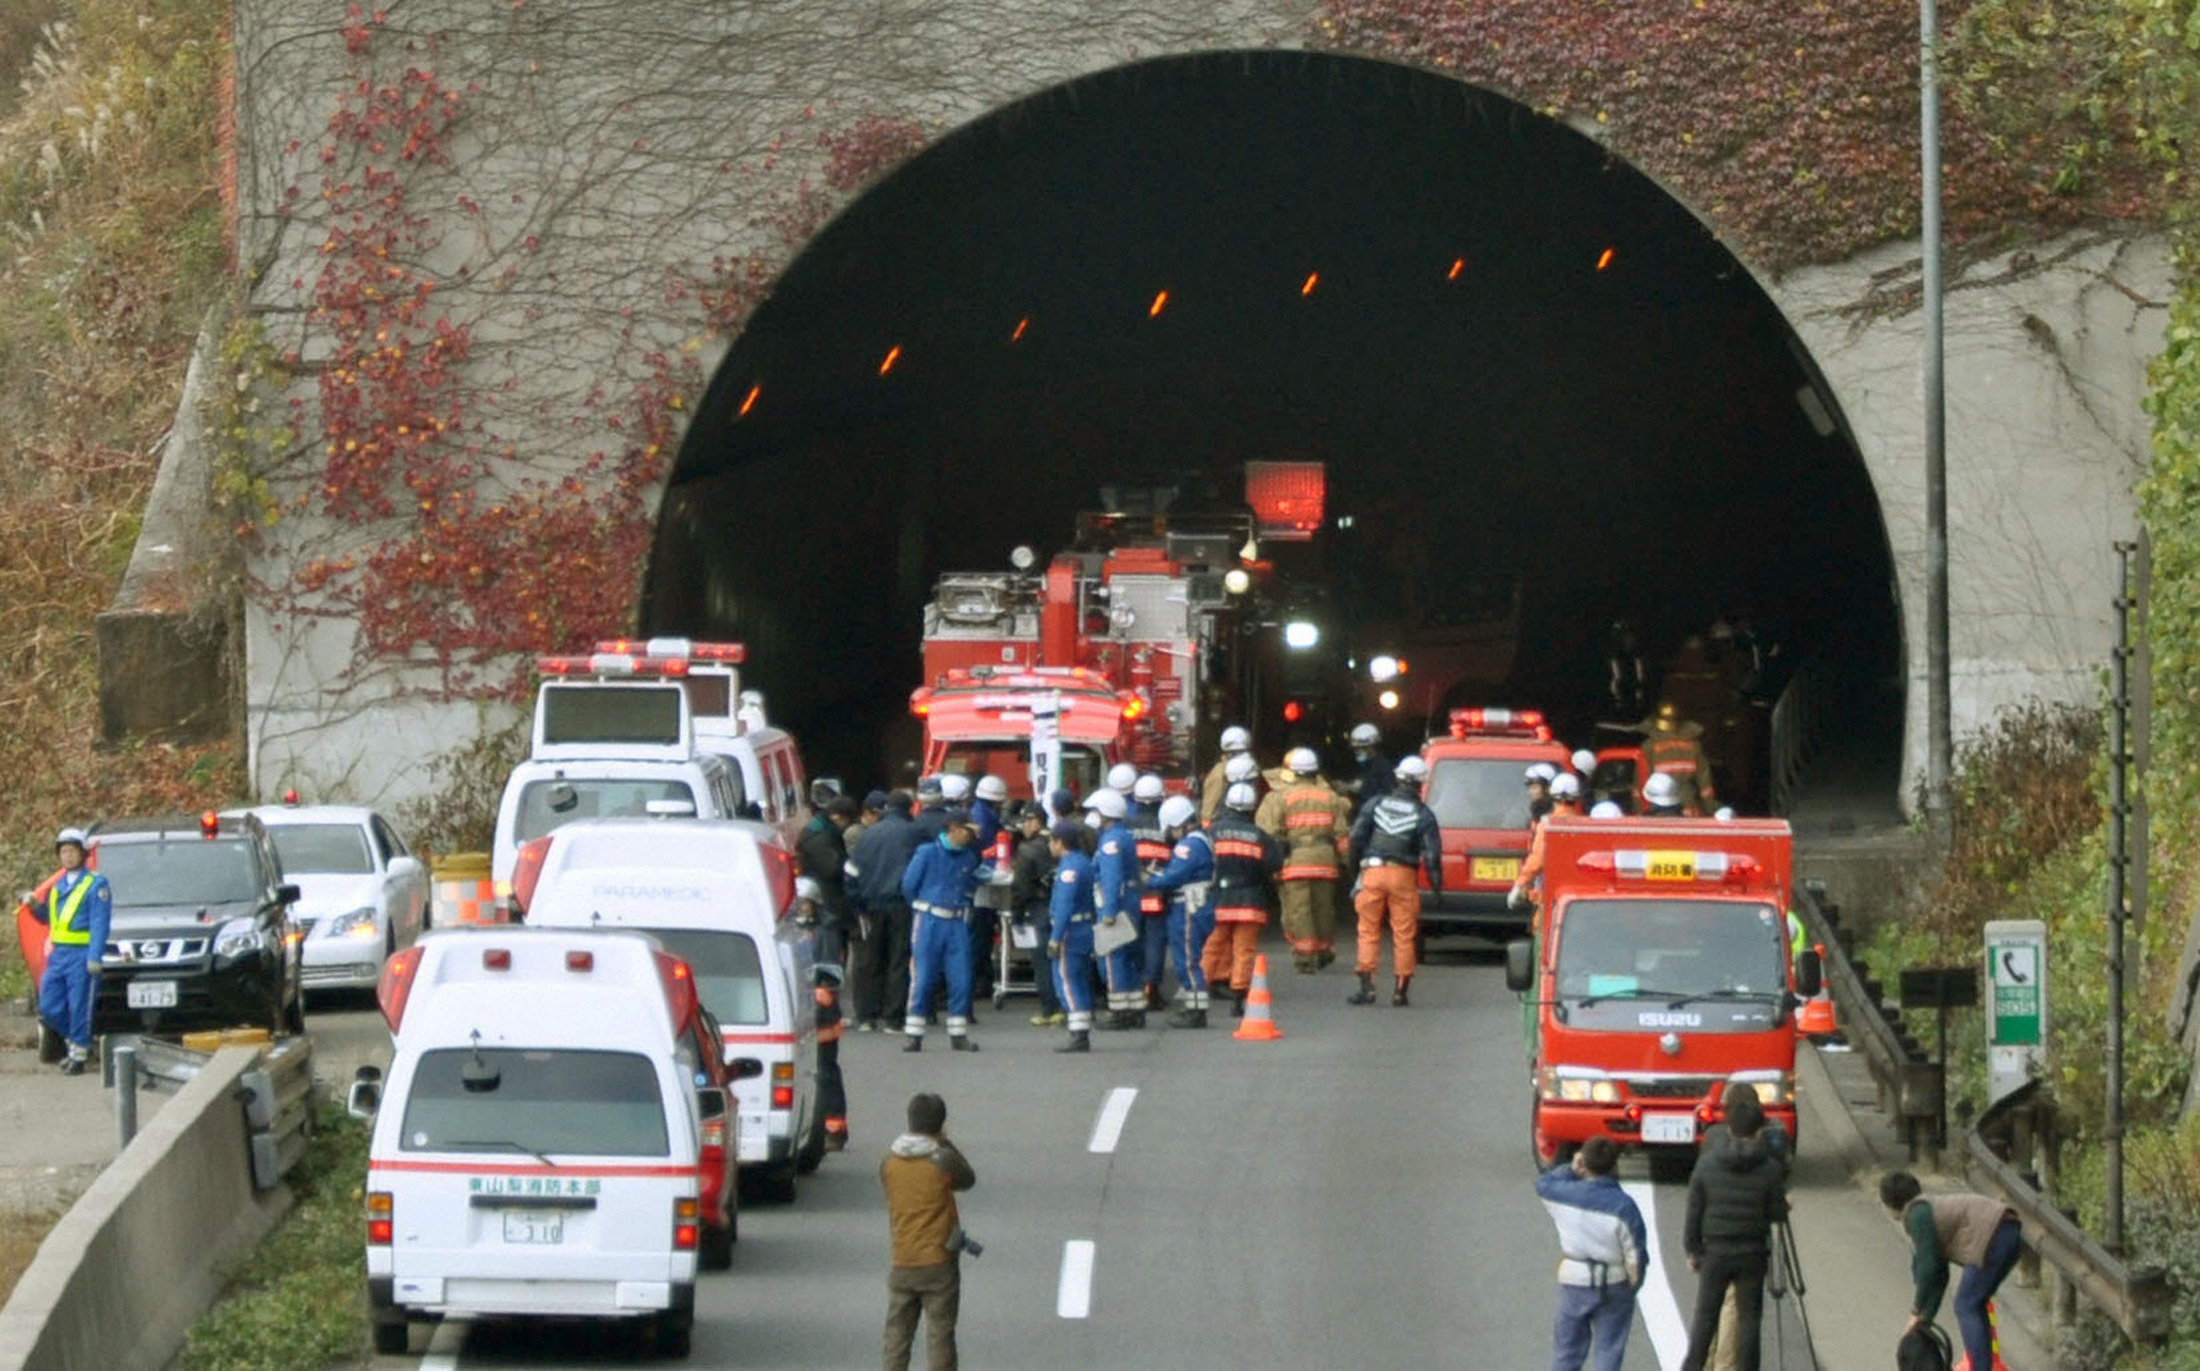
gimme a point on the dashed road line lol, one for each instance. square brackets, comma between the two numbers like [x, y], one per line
[1114, 1110]
[448, 1340]
[1073, 1294]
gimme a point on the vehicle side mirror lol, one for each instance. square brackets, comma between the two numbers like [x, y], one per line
[1810, 972]
[365, 1095]
[710, 1103]
[1520, 965]
[287, 894]
[404, 867]
[745, 1068]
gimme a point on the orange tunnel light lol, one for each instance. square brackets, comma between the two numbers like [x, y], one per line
[748, 401]
[1160, 302]
[1604, 259]
[893, 355]
[1313, 279]
[1458, 264]
[1021, 325]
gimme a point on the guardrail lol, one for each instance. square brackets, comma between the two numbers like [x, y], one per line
[2136, 1299]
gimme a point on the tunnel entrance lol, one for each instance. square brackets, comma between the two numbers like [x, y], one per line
[1544, 392]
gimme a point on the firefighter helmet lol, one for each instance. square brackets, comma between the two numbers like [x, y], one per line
[1541, 773]
[1121, 777]
[1565, 786]
[1607, 809]
[1585, 761]
[807, 888]
[1236, 739]
[1108, 804]
[1723, 813]
[1661, 790]
[1366, 735]
[1302, 761]
[71, 835]
[1241, 797]
[1412, 771]
[954, 788]
[1241, 769]
[1177, 811]
[993, 789]
[1148, 789]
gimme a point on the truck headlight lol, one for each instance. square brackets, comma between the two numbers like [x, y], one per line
[358, 924]
[1567, 1088]
[238, 937]
[1772, 1087]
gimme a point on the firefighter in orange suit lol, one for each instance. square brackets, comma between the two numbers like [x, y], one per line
[1246, 862]
[1395, 837]
[1314, 823]
[1670, 748]
[1565, 803]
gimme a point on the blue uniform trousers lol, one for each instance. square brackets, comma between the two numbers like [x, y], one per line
[1073, 975]
[1584, 1312]
[940, 946]
[1126, 987]
[1188, 936]
[1153, 946]
[65, 994]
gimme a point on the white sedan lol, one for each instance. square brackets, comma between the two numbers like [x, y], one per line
[362, 894]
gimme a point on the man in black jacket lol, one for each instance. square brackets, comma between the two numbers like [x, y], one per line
[822, 854]
[1738, 1192]
[876, 864]
[1031, 884]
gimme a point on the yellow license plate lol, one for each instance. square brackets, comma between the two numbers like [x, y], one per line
[1496, 868]
[1671, 866]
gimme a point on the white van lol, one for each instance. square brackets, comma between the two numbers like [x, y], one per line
[537, 1146]
[770, 769]
[715, 894]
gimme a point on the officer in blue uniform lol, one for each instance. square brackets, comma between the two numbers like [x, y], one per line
[1144, 822]
[77, 910]
[1069, 930]
[1187, 882]
[941, 878]
[1116, 881]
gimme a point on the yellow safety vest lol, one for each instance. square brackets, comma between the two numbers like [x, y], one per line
[61, 918]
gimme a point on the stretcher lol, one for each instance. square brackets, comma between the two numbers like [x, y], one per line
[1017, 964]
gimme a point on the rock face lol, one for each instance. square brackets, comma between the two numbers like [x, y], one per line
[606, 184]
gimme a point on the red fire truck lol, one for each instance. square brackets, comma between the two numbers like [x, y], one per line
[1477, 788]
[1036, 728]
[1658, 973]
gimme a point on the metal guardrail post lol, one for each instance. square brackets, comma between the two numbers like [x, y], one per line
[126, 1090]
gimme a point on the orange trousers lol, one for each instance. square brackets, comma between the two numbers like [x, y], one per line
[1229, 956]
[1388, 892]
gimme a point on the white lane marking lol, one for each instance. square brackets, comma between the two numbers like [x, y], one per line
[444, 1344]
[1114, 1110]
[1661, 1313]
[1073, 1296]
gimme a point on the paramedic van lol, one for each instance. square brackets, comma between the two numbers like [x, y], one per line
[538, 1145]
[715, 893]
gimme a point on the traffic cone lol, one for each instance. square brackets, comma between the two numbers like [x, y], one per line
[1814, 1017]
[1259, 1024]
[1993, 1328]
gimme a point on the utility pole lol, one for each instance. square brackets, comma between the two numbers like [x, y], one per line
[1939, 741]
[2119, 810]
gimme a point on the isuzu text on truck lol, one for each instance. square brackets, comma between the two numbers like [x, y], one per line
[1659, 972]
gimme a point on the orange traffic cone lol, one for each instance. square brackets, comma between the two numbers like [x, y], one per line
[1814, 1017]
[1993, 1327]
[1259, 1023]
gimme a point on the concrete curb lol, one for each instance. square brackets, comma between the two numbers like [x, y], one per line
[1828, 1112]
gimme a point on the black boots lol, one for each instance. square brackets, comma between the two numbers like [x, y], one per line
[1188, 1018]
[915, 1043]
[1237, 1004]
[961, 1043]
[1153, 998]
[1079, 1041]
[1398, 997]
[1366, 993]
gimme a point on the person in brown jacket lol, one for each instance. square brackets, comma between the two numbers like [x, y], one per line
[1977, 1232]
[921, 1174]
[1314, 824]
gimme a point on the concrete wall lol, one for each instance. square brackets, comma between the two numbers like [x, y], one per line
[145, 1251]
[2045, 356]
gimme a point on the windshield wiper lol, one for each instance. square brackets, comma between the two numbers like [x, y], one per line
[1633, 993]
[505, 1144]
[1728, 994]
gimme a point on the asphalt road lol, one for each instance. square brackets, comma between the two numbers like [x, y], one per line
[1358, 1193]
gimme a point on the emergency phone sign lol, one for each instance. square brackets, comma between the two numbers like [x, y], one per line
[2016, 1011]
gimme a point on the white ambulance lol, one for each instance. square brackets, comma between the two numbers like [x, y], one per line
[538, 1144]
[717, 894]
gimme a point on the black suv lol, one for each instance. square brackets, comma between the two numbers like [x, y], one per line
[202, 936]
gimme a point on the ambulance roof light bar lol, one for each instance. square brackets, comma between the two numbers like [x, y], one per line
[612, 664]
[736, 653]
[1521, 722]
[1642, 864]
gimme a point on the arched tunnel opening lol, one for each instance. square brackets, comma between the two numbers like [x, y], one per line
[1547, 399]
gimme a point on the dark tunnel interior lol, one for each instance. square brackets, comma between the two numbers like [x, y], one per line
[1528, 369]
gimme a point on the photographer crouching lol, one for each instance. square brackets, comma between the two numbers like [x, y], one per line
[921, 1174]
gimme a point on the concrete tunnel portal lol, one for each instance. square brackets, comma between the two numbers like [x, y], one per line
[1537, 381]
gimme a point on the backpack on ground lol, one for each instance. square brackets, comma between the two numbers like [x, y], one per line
[1925, 1348]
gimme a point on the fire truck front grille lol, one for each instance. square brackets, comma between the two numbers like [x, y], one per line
[1672, 1088]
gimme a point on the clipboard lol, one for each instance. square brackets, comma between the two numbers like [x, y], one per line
[1108, 937]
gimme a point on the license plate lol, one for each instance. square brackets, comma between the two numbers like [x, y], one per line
[150, 994]
[1671, 866]
[1496, 868]
[528, 1226]
[1669, 1128]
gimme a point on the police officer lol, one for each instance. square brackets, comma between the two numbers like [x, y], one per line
[832, 1090]
[876, 865]
[1069, 930]
[1670, 749]
[989, 820]
[1373, 779]
[1661, 797]
[1313, 823]
[1394, 838]
[76, 912]
[1153, 906]
[942, 877]
[932, 806]
[1235, 742]
[1246, 863]
[1115, 894]
[1186, 880]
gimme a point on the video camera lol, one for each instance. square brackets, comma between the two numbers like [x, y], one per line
[959, 1242]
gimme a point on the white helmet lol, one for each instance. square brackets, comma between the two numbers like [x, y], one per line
[992, 788]
[1723, 813]
[954, 787]
[1241, 769]
[1236, 739]
[1148, 789]
[1565, 786]
[1607, 809]
[1177, 811]
[1541, 772]
[807, 888]
[1366, 735]
[1585, 761]
[1108, 804]
[1121, 777]
[1412, 771]
[1302, 761]
[1661, 789]
[1241, 797]
[72, 835]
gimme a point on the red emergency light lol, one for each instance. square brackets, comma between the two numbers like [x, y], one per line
[395, 986]
[1286, 498]
[210, 824]
[680, 994]
[1526, 723]
[779, 871]
[1642, 864]
[613, 664]
[527, 869]
[579, 959]
[1134, 708]
[675, 647]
